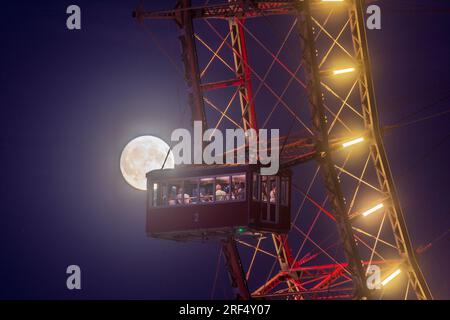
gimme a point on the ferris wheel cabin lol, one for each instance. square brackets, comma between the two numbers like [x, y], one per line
[204, 202]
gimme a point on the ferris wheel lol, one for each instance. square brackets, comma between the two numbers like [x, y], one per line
[335, 229]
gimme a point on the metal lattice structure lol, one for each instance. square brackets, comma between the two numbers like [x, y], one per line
[340, 227]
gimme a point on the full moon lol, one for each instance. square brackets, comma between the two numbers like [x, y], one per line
[142, 155]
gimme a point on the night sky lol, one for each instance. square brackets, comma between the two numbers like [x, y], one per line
[71, 100]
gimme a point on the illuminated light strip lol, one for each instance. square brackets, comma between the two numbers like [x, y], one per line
[341, 71]
[352, 142]
[372, 210]
[332, 0]
[392, 276]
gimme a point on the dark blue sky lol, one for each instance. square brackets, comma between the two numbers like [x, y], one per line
[71, 100]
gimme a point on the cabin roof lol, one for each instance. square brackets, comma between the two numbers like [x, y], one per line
[186, 171]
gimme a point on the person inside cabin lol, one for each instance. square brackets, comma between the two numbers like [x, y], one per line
[194, 196]
[231, 192]
[182, 198]
[172, 199]
[220, 194]
[273, 194]
[240, 193]
[264, 191]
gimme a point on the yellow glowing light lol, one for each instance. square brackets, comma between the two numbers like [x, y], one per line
[352, 142]
[390, 277]
[372, 210]
[332, 0]
[341, 71]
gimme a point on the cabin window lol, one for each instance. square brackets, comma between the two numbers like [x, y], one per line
[270, 193]
[255, 185]
[199, 190]
[164, 194]
[223, 188]
[175, 191]
[264, 189]
[191, 191]
[238, 187]
[159, 194]
[274, 194]
[284, 193]
[155, 193]
[273, 190]
[206, 189]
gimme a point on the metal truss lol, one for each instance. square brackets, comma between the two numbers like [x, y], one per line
[317, 73]
[327, 165]
[378, 154]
